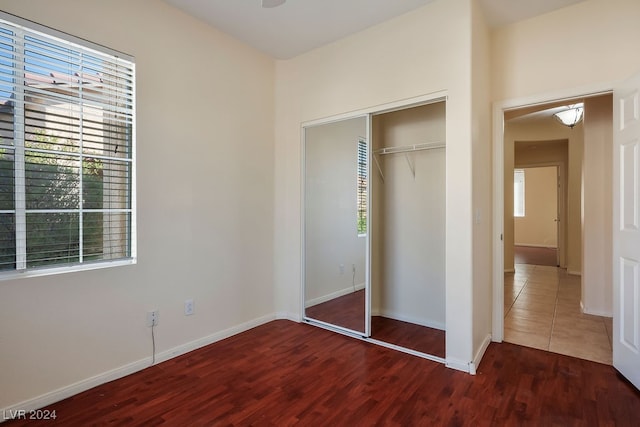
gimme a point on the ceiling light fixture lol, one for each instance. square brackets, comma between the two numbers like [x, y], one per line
[571, 116]
[272, 3]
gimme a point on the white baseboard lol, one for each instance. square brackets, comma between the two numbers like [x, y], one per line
[574, 273]
[78, 387]
[130, 368]
[595, 312]
[201, 342]
[510, 270]
[535, 245]
[289, 316]
[479, 354]
[429, 323]
[458, 365]
[333, 295]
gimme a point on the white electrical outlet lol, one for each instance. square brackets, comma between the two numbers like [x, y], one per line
[189, 308]
[152, 318]
[341, 268]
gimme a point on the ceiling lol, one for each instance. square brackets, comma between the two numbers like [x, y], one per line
[299, 26]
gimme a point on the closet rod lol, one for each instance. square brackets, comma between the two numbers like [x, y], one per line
[409, 148]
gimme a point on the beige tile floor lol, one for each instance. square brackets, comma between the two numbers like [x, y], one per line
[542, 310]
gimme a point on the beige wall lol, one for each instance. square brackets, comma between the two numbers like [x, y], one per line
[422, 52]
[597, 290]
[411, 237]
[205, 129]
[538, 226]
[482, 214]
[531, 57]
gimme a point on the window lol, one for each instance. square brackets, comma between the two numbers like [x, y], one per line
[518, 192]
[66, 152]
[362, 187]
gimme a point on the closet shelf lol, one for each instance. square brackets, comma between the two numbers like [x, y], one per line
[405, 149]
[410, 148]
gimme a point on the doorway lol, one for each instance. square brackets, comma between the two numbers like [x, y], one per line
[536, 214]
[536, 301]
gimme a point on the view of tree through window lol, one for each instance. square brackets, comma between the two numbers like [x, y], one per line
[66, 115]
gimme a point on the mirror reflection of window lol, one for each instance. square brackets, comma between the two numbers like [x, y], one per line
[361, 197]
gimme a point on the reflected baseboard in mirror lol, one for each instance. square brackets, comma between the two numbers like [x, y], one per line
[409, 335]
[346, 311]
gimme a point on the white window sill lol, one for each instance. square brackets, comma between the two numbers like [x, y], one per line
[48, 271]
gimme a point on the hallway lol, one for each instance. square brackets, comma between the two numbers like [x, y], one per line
[542, 310]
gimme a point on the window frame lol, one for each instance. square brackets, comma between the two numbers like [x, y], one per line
[82, 46]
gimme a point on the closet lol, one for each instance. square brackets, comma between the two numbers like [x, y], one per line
[373, 226]
[408, 228]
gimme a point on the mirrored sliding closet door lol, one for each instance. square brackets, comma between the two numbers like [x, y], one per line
[335, 262]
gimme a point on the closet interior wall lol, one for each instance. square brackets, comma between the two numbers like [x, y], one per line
[408, 217]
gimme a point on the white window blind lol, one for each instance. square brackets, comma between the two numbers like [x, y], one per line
[66, 150]
[518, 192]
[362, 187]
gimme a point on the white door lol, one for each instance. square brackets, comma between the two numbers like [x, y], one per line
[626, 230]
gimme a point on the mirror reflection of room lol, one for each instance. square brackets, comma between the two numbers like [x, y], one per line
[408, 228]
[335, 223]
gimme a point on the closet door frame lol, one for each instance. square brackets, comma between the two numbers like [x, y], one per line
[368, 113]
[367, 303]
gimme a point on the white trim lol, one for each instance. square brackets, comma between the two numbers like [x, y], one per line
[499, 108]
[359, 336]
[498, 223]
[78, 387]
[574, 273]
[333, 327]
[210, 339]
[402, 104]
[333, 295]
[303, 236]
[595, 312]
[370, 224]
[47, 271]
[283, 315]
[535, 245]
[458, 365]
[479, 354]
[405, 350]
[130, 368]
[510, 270]
[133, 235]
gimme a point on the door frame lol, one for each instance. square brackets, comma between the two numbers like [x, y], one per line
[303, 237]
[561, 194]
[499, 108]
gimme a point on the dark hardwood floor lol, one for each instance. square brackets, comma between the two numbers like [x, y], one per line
[346, 311]
[535, 256]
[409, 335]
[284, 373]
